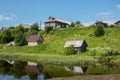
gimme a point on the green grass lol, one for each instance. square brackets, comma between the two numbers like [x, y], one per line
[48, 58]
[52, 49]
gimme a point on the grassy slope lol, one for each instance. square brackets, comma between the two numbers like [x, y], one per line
[110, 41]
[52, 49]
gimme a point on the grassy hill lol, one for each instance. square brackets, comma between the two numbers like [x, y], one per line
[55, 40]
[52, 49]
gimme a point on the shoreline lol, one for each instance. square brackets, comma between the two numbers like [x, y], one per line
[90, 77]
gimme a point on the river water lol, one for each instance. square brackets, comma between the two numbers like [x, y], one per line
[22, 70]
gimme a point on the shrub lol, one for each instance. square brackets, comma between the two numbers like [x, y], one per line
[48, 29]
[20, 39]
[72, 25]
[99, 31]
[70, 50]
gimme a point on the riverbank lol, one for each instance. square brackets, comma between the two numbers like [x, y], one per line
[91, 77]
[48, 58]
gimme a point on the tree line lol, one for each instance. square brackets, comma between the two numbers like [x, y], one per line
[18, 34]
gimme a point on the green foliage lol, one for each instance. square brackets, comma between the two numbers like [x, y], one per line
[48, 29]
[72, 25]
[112, 26]
[34, 29]
[19, 68]
[70, 50]
[19, 29]
[54, 41]
[6, 36]
[78, 24]
[20, 39]
[51, 71]
[99, 31]
[101, 70]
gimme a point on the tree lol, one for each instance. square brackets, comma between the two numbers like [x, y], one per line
[78, 24]
[99, 31]
[6, 36]
[19, 29]
[20, 39]
[112, 26]
[70, 50]
[48, 29]
[34, 29]
[72, 25]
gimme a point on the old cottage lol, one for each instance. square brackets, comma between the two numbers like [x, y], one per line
[117, 23]
[34, 40]
[79, 45]
[56, 23]
[101, 23]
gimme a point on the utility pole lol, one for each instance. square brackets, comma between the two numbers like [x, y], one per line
[40, 24]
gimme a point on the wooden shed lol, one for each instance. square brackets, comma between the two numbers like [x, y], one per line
[34, 40]
[79, 45]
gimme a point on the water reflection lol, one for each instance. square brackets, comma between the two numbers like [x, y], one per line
[19, 70]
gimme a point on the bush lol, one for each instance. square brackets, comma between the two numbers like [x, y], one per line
[111, 53]
[70, 50]
[20, 39]
[99, 31]
[48, 29]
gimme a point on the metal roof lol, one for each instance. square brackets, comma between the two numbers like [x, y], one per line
[33, 38]
[59, 20]
[75, 43]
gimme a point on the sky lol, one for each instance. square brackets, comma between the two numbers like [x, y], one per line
[15, 12]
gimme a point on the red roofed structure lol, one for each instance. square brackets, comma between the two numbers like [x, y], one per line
[34, 40]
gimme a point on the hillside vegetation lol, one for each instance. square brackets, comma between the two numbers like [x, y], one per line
[55, 40]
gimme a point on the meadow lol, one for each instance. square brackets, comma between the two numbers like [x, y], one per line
[52, 49]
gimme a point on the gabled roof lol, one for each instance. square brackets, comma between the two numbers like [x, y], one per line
[52, 19]
[25, 25]
[33, 38]
[117, 22]
[75, 43]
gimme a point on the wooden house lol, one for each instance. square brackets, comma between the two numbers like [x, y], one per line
[117, 23]
[56, 23]
[26, 26]
[79, 45]
[34, 40]
[102, 23]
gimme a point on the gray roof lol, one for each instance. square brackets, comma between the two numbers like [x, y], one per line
[75, 43]
[58, 20]
[25, 25]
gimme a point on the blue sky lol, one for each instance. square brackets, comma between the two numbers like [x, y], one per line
[15, 12]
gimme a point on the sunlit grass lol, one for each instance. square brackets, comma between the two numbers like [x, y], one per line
[52, 49]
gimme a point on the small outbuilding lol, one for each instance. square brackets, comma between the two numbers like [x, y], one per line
[34, 40]
[102, 23]
[79, 45]
[117, 23]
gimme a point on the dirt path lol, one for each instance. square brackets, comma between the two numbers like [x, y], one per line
[91, 77]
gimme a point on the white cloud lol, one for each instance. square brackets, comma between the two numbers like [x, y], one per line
[7, 18]
[118, 6]
[103, 16]
[88, 23]
[109, 21]
[103, 13]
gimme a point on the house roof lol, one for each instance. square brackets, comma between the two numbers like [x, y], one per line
[33, 38]
[117, 22]
[25, 25]
[57, 20]
[75, 43]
